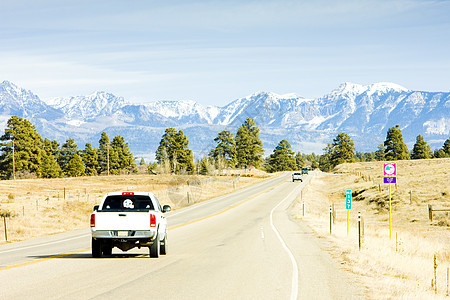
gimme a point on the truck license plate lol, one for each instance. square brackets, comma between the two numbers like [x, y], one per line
[122, 233]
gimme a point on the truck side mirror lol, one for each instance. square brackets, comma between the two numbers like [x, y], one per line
[166, 208]
[96, 208]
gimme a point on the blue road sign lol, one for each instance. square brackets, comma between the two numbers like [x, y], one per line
[348, 199]
[390, 180]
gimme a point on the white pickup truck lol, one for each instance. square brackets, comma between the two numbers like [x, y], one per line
[297, 176]
[127, 220]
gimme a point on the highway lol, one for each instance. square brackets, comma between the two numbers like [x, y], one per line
[240, 246]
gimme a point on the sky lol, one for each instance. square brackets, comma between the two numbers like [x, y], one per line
[214, 52]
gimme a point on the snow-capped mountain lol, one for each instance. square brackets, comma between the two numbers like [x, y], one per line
[365, 112]
[20, 102]
[88, 107]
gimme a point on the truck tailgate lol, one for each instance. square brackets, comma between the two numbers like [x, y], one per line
[122, 221]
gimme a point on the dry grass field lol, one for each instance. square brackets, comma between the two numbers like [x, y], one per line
[46, 206]
[400, 267]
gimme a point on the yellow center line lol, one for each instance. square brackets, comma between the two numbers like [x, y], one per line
[171, 228]
[42, 259]
[227, 209]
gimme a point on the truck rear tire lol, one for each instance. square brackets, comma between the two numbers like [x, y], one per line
[96, 248]
[155, 248]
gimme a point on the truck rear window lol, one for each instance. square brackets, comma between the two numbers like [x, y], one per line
[127, 203]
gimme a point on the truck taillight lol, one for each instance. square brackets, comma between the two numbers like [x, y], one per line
[152, 220]
[93, 220]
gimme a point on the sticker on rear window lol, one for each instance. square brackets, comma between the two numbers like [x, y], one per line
[128, 204]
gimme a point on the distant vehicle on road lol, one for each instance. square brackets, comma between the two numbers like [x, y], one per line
[297, 176]
[127, 220]
[304, 170]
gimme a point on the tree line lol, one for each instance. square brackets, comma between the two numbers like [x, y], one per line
[394, 148]
[24, 153]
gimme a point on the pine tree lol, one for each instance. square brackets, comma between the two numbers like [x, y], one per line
[439, 153]
[203, 169]
[299, 161]
[249, 148]
[421, 150]
[342, 150]
[379, 154]
[395, 147]
[446, 147]
[49, 167]
[125, 159]
[90, 160]
[282, 158]
[173, 150]
[27, 143]
[75, 167]
[66, 153]
[324, 160]
[103, 153]
[225, 150]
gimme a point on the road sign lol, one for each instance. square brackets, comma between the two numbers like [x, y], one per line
[348, 199]
[390, 179]
[390, 169]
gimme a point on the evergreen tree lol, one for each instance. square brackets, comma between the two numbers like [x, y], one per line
[369, 156]
[249, 148]
[282, 158]
[324, 160]
[395, 147]
[51, 147]
[342, 150]
[173, 149]
[75, 166]
[225, 150]
[299, 161]
[439, 153]
[203, 169]
[49, 167]
[379, 154]
[104, 153]
[421, 149]
[27, 148]
[446, 147]
[142, 162]
[90, 160]
[67, 152]
[122, 158]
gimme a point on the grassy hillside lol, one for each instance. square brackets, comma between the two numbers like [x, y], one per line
[401, 266]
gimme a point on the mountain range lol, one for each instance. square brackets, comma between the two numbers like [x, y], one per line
[365, 112]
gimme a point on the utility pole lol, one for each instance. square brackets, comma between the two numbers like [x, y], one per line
[14, 160]
[107, 154]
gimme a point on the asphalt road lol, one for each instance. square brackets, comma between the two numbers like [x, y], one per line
[240, 246]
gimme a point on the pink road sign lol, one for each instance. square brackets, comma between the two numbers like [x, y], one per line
[390, 169]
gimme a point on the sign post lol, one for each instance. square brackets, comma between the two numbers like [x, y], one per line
[348, 206]
[390, 176]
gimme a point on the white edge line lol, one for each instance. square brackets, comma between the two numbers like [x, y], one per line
[50, 243]
[294, 286]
